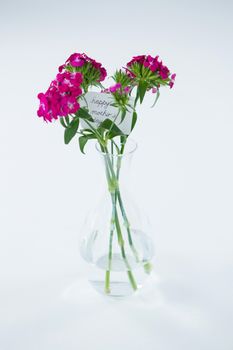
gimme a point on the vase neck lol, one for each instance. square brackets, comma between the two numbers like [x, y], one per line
[117, 165]
[117, 168]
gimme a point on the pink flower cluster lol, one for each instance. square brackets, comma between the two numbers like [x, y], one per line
[118, 87]
[80, 59]
[61, 97]
[154, 64]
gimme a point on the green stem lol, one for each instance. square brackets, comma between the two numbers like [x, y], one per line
[115, 220]
[126, 222]
[108, 271]
[99, 137]
[121, 244]
[117, 148]
[112, 153]
[107, 282]
[113, 122]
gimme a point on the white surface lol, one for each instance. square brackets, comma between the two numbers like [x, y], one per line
[183, 167]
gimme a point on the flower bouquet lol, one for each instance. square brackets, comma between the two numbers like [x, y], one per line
[115, 244]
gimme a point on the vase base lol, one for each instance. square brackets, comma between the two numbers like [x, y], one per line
[118, 289]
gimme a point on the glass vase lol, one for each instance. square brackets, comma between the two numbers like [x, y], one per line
[117, 244]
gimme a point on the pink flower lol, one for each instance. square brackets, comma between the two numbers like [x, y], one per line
[61, 68]
[163, 71]
[152, 63]
[95, 64]
[76, 60]
[127, 89]
[79, 60]
[115, 87]
[103, 74]
[43, 108]
[158, 73]
[172, 81]
[136, 59]
[61, 97]
[69, 105]
[69, 81]
[129, 73]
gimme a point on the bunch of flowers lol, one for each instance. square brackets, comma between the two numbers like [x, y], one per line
[93, 72]
[149, 73]
[80, 72]
[136, 68]
[62, 101]
[61, 98]
[121, 91]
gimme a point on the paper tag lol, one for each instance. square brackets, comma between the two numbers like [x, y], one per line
[99, 106]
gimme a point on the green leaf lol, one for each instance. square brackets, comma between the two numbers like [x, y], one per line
[111, 127]
[114, 133]
[67, 120]
[122, 77]
[123, 139]
[134, 120]
[137, 97]
[83, 113]
[62, 122]
[71, 130]
[109, 124]
[142, 87]
[83, 140]
[123, 114]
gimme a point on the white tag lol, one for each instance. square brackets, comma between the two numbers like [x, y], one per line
[99, 106]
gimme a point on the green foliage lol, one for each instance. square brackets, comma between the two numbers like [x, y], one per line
[111, 127]
[145, 80]
[136, 69]
[134, 120]
[62, 122]
[71, 130]
[83, 113]
[70, 68]
[122, 78]
[142, 87]
[84, 139]
[90, 74]
[123, 114]
[121, 101]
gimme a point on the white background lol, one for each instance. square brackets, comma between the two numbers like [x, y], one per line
[183, 171]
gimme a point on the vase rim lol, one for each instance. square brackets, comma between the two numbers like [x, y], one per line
[130, 148]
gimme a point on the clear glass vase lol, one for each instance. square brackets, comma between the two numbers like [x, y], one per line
[117, 244]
